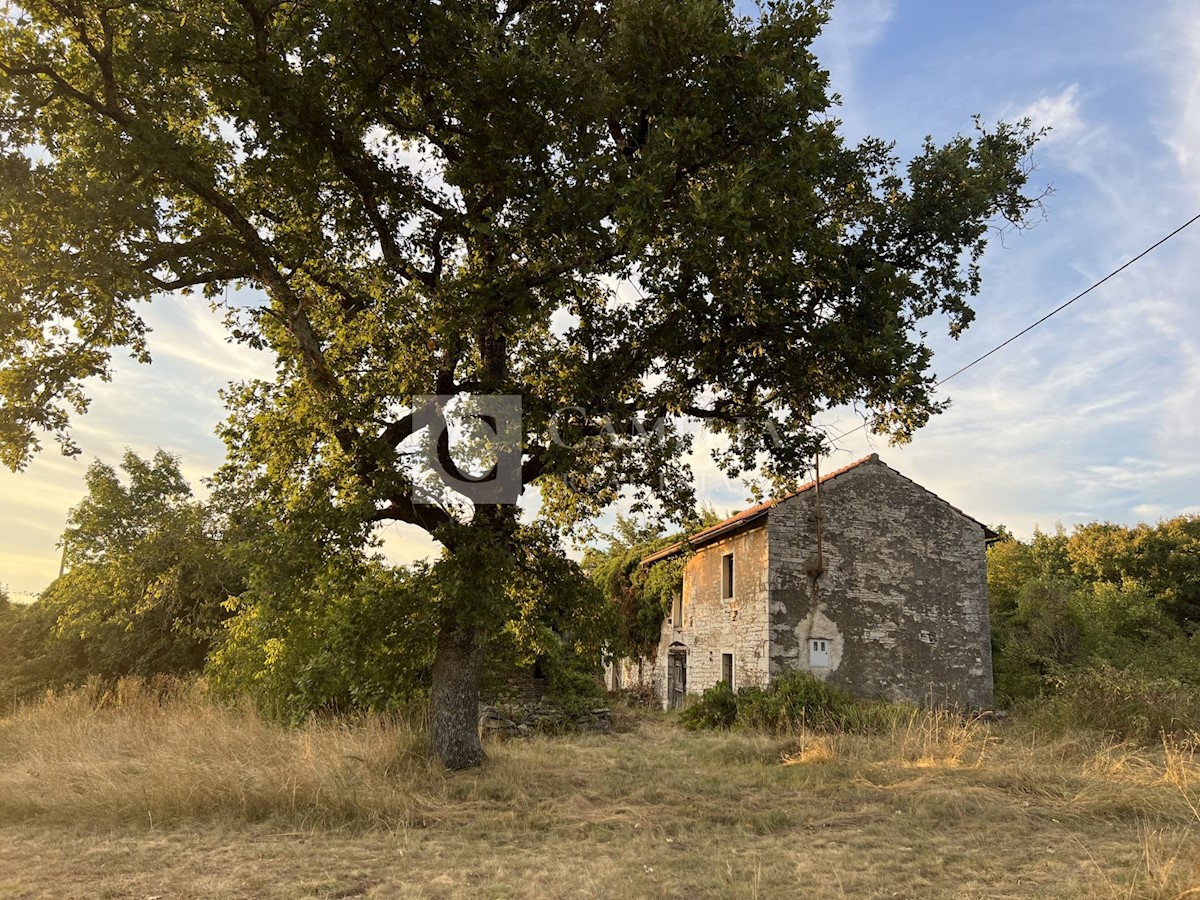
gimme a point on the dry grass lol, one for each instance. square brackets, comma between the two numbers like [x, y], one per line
[165, 794]
[164, 755]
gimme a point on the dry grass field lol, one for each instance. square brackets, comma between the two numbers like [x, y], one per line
[136, 795]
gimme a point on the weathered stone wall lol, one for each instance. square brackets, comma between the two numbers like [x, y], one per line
[713, 626]
[627, 674]
[524, 719]
[902, 602]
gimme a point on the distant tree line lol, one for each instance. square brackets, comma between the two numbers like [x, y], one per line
[1103, 596]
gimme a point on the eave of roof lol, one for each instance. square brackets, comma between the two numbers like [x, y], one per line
[746, 516]
[750, 516]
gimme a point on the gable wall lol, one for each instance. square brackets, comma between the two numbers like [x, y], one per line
[903, 598]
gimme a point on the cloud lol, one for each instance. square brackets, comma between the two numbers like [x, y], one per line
[1058, 112]
[1180, 125]
[35, 504]
[404, 544]
[172, 403]
[853, 29]
[191, 333]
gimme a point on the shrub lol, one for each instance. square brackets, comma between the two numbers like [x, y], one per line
[358, 638]
[796, 700]
[572, 686]
[716, 708]
[1122, 703]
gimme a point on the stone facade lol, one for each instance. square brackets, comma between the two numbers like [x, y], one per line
[899, 597]
[891, 600]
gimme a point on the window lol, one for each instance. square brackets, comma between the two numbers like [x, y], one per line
[677, 611]
[818, 653]
[727, 576]
[727, 669]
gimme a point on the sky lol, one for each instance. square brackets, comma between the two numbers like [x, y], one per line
[1094, 415]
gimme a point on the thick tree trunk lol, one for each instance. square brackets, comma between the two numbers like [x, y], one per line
[454, 706]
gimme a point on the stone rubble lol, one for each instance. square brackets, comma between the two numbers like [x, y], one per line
[509, 720]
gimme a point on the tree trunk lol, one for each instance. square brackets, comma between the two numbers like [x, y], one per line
[454, 704]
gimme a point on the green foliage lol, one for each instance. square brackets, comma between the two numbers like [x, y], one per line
[344, 631]
[795, 700]
[640, 596]
[572, 684]
[358, 636]
[784, 269]
[147, 572]
[1164, 559]
[1125, 704]
[560, 625]
[553, 605]
[1102, 596]
[34, 658]
[716, 708]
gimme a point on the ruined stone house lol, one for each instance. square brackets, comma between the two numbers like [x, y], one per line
[863, 578]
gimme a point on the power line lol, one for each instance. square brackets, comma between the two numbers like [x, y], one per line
[1081, 294]
[1053, 312]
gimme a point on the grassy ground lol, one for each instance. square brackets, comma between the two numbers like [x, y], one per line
[141, 798]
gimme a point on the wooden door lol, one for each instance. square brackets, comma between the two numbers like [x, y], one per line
[677, 687]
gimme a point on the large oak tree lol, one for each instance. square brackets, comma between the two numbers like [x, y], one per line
[441, 198]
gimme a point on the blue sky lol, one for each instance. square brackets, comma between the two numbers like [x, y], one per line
[1094, 415]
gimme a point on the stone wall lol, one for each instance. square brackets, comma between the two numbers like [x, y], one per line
[902, 602]
[712, 626]
[517, 719]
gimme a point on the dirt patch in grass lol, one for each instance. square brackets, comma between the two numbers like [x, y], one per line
[144, 796]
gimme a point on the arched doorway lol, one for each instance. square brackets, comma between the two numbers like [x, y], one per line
[676, 675]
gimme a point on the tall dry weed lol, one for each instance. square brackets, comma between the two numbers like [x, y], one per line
[165, 752]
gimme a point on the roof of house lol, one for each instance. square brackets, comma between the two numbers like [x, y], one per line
[754, 513]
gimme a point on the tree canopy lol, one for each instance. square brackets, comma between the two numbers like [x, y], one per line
[443, 199]
[147, 575]
[1103, 594]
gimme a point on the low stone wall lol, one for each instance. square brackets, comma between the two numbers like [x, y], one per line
[505, 720]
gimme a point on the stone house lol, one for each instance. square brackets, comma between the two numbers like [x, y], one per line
[864, 578]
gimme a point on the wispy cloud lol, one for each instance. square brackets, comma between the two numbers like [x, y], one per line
[1179, 125]
[172, 403]
[1060, 113]
[853, 29]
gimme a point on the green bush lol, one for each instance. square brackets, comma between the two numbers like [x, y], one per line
[796, 700]
[1105, 595]
[34, 657]
[716, 708]
[358, 637]
[1122, 703]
